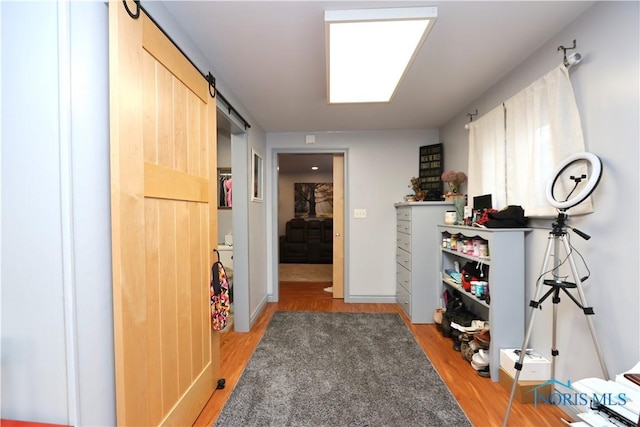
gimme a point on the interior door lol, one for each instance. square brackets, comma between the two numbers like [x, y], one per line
[338, 225]
[164, 223]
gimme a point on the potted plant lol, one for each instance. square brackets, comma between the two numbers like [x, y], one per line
[454, 180]
[419, 194]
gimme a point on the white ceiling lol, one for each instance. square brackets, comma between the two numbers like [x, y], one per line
[302, 163]
[271, 57]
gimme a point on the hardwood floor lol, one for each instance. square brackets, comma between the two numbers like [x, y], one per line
[483, 401]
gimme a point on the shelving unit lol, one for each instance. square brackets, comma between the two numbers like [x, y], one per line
[506, 310]
[417, 270]
[456, 286]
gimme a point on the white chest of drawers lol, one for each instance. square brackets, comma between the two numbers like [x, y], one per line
[417, 270]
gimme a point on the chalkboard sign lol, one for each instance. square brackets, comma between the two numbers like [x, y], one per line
[430, 170]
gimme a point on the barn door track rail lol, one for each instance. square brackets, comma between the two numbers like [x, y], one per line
[213, 91]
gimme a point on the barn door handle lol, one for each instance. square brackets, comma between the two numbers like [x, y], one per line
[337, 234]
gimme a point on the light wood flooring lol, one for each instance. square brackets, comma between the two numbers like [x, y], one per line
[305, 272]
[483, 401]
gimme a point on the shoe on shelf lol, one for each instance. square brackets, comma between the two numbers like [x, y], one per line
[483, 338]
[465, 337]
[466, 352]
[475, 365]
[477, 326]
[484, 372]
[464, 345]
[480, 360]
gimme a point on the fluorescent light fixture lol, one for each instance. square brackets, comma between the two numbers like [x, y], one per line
[370, 50]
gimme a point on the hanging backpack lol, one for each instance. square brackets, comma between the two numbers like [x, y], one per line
[219, 290]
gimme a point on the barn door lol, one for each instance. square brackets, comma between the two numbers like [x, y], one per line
[338, 225]
[164, 225]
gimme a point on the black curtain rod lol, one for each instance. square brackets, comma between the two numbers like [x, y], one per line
[209, 77]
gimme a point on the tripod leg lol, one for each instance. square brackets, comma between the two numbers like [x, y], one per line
[554, 349]
[588, 311]
[556, 301]
[532, 314]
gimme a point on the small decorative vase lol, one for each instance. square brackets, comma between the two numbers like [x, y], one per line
[420, 195]
[454, 187]
[459, 202]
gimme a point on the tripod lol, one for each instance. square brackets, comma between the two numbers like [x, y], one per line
[556, 237]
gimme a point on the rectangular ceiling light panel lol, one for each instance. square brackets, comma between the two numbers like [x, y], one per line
[370, 50]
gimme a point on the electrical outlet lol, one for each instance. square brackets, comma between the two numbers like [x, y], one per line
[359, 213]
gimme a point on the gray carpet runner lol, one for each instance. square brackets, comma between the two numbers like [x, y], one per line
[340, 369]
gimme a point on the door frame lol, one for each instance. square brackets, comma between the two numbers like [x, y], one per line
[239, 136]
[274, 152]
[240, 231]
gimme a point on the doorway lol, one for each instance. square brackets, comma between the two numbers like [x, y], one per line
[224, 204]
[309, 220]
[232, 149]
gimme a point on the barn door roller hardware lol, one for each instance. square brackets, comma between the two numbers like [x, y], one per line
[133, 15]
[213, 91]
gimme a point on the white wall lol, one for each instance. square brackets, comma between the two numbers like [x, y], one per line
[56, 272]
[56, 307]
[606, 86]
[379, 167]
[225, 216]
[32, 283]
[257, 237]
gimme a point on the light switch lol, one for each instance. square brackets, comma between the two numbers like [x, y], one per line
[359, 213]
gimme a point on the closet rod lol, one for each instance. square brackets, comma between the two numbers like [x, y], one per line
[209, 78]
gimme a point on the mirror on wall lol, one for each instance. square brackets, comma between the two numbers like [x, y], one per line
[225, 185]
[256, 166]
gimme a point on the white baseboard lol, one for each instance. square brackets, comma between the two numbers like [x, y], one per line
[371, 299]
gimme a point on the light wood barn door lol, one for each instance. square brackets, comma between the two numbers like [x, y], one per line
[164, 226]
[338, 226]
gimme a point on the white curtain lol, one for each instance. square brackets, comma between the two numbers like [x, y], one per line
[542, 128]
[487, 166]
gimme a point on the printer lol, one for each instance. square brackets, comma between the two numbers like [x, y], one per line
[612, 403]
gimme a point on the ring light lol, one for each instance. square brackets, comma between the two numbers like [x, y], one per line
[594, 170]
